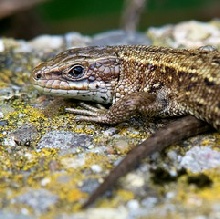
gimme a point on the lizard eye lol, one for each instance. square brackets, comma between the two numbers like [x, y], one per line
[38, 75]
[76, 71]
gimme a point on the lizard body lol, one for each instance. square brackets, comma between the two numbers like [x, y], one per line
[148, 80]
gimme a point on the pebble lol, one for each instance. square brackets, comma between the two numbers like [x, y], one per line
[109, 132]
[89, 185]
[24, 135]
[73, 162]
[96, 168]
[189, 34]
[194, 33]
[74, 39]
[149, 202]
[2, 47]
[107, 213]
[121, 145]
[1, 115]
[134, 180]
[47, 42]
[199, 158]
[45, 181]
[99, 213]
[132, 204]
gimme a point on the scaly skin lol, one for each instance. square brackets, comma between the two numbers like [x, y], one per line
[148, 80]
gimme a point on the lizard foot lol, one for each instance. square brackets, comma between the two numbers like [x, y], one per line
[89, 113]
[122, 110]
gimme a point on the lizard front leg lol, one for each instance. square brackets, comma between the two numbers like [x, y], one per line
[125, 108]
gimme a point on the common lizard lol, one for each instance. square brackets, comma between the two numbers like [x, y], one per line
[147, 80]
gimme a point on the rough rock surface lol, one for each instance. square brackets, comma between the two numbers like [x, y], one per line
[50, 164]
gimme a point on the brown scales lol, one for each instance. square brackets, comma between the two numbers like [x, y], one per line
[191, 79]
[149, 80]
[180, 81]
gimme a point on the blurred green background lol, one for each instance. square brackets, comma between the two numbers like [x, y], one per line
[91, 16]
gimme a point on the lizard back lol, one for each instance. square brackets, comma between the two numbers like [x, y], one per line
[188, 80]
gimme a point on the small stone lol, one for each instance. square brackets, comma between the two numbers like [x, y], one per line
[73, 162]
[1, 115]
[96, 168]
[3, 122]
[89, 185]
[111, 131]
[171, 195]
[134, 180]
[45, 181]
[47, 41]
[149, 202]
[121, 146]
[132, 204]
[24, 135]
[2, 47]
[107, 213]
[76, 39]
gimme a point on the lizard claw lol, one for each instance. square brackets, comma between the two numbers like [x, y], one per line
[97, 108]
[89, 113]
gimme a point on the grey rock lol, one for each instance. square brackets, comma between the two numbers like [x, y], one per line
[24, 135]
[38, 199]
[65, 140]
[90, 185]
[6, 214]
[199, 158]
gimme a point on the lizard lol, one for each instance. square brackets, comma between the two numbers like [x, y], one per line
[137, 79]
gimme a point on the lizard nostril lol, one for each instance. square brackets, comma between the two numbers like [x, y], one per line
[38, 75]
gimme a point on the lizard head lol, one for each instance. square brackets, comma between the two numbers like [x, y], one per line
[89, 73]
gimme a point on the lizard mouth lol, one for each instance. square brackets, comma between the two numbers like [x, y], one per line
[80, 90]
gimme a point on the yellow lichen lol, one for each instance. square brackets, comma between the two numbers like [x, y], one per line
[120, 196]
[125, 194]
[188, 193]
[94, 159]
[75, 195]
